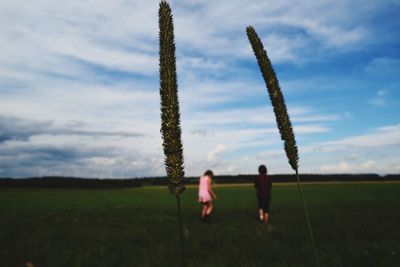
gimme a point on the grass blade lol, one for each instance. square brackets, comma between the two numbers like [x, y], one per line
[170, 117]
[281, 115]
[276, 96]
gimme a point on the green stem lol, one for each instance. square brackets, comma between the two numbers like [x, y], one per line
[178, 203]
[308, 220]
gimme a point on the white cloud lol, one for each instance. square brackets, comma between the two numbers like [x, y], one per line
[214, 154]
[80, 76]
[328, 23]
[317, 118]
[308, 129]
[92, 104]
[380, 99]
[343, 167]
[376, 151]
[105, 56]
[380, 137]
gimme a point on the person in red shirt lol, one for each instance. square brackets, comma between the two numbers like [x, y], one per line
[263, 184]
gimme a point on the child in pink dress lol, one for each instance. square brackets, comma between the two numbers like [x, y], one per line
[206, 194]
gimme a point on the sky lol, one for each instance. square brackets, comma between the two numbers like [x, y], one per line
[79, 86]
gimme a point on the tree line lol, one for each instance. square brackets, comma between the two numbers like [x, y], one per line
[111, 183]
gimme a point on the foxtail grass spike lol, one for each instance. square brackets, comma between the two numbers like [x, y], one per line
[281, 115]
[276, 96]
[170, 118]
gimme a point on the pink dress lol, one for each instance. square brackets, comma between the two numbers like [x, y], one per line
[204, 195]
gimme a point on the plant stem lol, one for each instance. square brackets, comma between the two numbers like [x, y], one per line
[308, 220]
[178, 203]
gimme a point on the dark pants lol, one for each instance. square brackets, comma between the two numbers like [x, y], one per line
[263, 203]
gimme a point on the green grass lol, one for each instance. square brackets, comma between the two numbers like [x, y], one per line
[354, 225]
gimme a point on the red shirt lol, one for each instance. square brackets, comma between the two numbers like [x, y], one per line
[263, 183]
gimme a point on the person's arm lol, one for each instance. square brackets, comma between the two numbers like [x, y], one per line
[214, 196]
[270, 182]
[199, 190]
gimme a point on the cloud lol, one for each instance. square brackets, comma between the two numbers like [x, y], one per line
[380, 99]
[271, 154]
[88, 156]
[18, 129]
[34, 147]
[13, 128]
[343, 167]
[200, 132]
[378, 138]
[72, 38]
[306, 118]
[108, 106]
[213, 154]
[376, 151]
[308, 129]
[327, 24]
[79, 82]
[317, 118]
[106, 56]
[383, 67]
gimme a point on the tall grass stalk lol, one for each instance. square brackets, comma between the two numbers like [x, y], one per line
[170, 117]
[281, 115]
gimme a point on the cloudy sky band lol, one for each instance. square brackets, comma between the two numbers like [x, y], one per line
[79, 86]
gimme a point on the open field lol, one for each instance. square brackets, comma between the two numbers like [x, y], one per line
[354, 225]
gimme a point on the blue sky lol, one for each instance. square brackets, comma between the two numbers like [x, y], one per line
[79, 89]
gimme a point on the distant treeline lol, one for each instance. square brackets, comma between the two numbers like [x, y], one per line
[285, 178]
[68, 182]
[92, 183]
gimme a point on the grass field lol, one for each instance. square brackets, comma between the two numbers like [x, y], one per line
[354, 225]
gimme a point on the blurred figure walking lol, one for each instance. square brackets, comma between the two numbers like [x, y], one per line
[263, 184]
[206, 194]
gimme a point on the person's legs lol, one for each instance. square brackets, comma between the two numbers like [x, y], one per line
[261, 213]
[260, 209]
[209, 208]
[266, 209]
[266, 216]
[203, 210]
